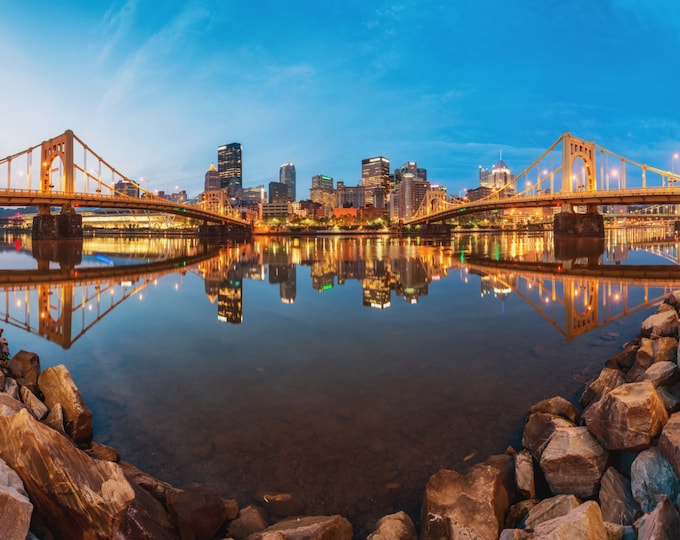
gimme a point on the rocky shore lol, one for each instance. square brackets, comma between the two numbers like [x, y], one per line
[606, 467]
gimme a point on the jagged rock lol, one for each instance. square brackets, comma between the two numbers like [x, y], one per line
[628, 417]
[101, 451]
[557, 506]
[55, 418]
[146, 519]
[15, 507]
[518, 513]
[669, 442]
[573, 462]
[585, 522]
[538, 430]
[558, 406]
[645, 353]
[280, 504]
[624, 358]
[78, 497]
[12, 388]
[57, 386]
[670, 401]
[524, 474]
[25, 368]
[10, 405]
[251, 519]
[37, 407]
[397, 526]
[607, 379]
[664, 323]
[662, 373]
[473, 504]
[652, 476]
[616, 499]
[308, 528]
[198, 512]
[662, 523]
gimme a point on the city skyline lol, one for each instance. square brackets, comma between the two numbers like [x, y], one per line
[156, 90]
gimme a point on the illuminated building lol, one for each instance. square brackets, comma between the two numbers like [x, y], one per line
[285, 275]
[375, 173]
[125, 187]
[230, 298]
[409, 196]
[409, 167]
[212, 179]
[278, 193]
[287, 177]
[230, 168]
[322, 192]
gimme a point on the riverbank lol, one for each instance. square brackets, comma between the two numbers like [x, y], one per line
[592, 464]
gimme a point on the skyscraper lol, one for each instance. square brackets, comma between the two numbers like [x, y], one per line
[287, 177]
[212, 179]
[375, 173]
[229, 166]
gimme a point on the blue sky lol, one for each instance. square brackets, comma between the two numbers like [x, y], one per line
[155, 87]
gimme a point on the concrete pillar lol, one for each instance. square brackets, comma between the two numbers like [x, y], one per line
[589, 225]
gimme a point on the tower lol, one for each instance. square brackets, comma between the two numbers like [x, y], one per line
[287, 177]
[375, 173]
[229, 167]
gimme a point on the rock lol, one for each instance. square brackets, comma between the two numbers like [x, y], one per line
[456, 505]
[280, 504]
[25, 368]
[12, 388]
[15, 507]
[157, 488]
[663, 373]
[397, 526]
[573, 462]
[146, 519]
[101, 451]
[584, 521]
[55, 418]
[557, 406]
[78, 497]
[57, 386]
[607, 379]
[518, 513]
[664, 323]
[251, 519]
[652, 476]
[538, 430]
[624, 359]
[37, 407]
[644, 357]
[10, 405]
[198, 512]
[550, 508]
[628, 417]
[669, 442]
[524, 475]
[662, 523]
[670, 401]
[665, 349]
[308, 528]
[616, 499]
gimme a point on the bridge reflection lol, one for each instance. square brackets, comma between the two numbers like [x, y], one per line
[577, 287]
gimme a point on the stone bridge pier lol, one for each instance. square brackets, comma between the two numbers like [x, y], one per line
[68, 224]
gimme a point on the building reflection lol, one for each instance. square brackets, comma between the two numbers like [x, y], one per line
[577, 287]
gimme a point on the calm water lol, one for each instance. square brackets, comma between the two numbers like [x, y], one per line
[345, 370]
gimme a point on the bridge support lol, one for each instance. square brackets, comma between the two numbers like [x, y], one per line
[58, 226]
[217, 232]
[589, 225]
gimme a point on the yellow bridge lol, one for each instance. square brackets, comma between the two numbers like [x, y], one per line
[70, 174]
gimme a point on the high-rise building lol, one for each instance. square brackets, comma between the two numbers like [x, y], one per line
[278, 192]
[410, 195]
[375, 173]
[412, 167]
[287, 177]
[322, 191]
[230, 167]
[212, 179]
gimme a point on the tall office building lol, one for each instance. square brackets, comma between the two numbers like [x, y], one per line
[230, 167]
[278, 193]
[375, 173]
[409, 167]
[212, 179]
[287, 177]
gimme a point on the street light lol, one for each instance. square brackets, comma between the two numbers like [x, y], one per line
[675, 156]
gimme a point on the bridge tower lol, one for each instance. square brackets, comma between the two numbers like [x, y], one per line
[68, 224]
[568, 222]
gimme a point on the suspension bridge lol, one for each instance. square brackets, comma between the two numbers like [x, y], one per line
[65, 172]
[572, 176]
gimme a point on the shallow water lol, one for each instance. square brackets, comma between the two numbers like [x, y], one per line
[262, 365]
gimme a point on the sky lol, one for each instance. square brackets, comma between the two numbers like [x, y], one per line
[154, 87]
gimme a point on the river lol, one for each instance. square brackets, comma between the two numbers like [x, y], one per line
[345, 370]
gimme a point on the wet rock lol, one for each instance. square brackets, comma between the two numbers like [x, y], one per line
[251, 519]
[57, 386]
[608, 379]
[146, 519]
[198, 512]
[661, 524]
[397, 526]
[628, 417]
[616, 499]
[15, 507]
[538, 430]
[78, 497]
[573, 462]
[664, 323]
[558, 406]
[456, 505]
[101, 451]
[308, 528]
[280, 504]
[37, 407]
[550, 508]
[652, 476]
[24, 366]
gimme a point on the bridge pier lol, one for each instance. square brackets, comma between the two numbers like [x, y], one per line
[57, 227]
[589, 225]
[223, 231]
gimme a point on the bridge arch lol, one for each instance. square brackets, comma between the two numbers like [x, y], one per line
[577, 151]
[60, 147]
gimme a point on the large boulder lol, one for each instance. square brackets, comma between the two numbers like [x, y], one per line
[628, 417]
[397, 526]
[539, 428]
[669, 442]
[616, 499]
[552, 507]
[585, 522]
[662, 523]
[472, 504]
[25, 368]
[524, 475]
[651, 477]
[573, 462]
[15, 507]
[308, 528]
[197, 512]
[76, 496]
[663, 373]
[556, 405]
[607, 379]
[662, 323]
[57, 386]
